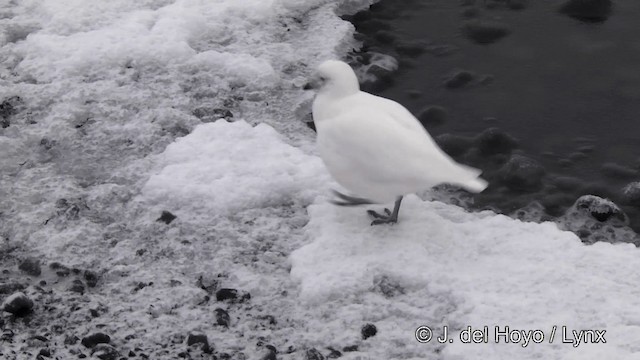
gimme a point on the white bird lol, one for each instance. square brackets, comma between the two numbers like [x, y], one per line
[375, 147]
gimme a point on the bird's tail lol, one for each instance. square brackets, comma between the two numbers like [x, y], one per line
[475, 185]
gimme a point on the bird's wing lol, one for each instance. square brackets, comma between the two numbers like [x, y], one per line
[393, 109]
[366, 146]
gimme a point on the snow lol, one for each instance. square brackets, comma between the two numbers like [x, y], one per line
[104, 138]
[491, 270]
[222, 168]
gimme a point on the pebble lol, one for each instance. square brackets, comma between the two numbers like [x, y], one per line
[454, 145]
[410, 48]
[631, 194]
[459, 79]
[222, 317]
[92, 340]
[587, 10]
[521, 173]
[226, 294]
[368, 330]
[105, 352]
[166, 217]
[18, 304]
[313, 354]
[600, 209]
[495, 141]
[386, 286]
[207, 114]
[432, 116]
[617, 171]
[30, 266]
[91, 278]
[485, 32]
[200, 340]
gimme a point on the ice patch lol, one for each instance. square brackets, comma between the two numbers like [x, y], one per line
[495, 270]
[223, 167]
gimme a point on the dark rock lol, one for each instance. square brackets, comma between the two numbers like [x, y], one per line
[207, 114]
[105, 352]
[517, 4]
[486, 79]
[227, 294]
[385, 37]
[350, 348]
[470, 12]
[30, 266]
[565, 163]
[410, 48]
[7, 335]
[495, 141]
[556, 204]
[18, 304]
[71, 340]
[92, 340]
[271, 354]
[371, 25]
[77, 286]
[414, 94]
[631, 194]
[598, 189]
[8, 108]
[368, 330]
[577, 156]
[313, 354]
[616, 171]
[586, 149]
[485, 32]
[454, 145]
[384, 76]
[44, 352]
[387, 287]
[269, 319]
[459, 79]
[600, 209]
[166, 217]
[567, 183]
[11, 287]
[222, 317]
[432, 116]
[521, 173]
[333, 353]
[61, 270]
[91, 278]
[200, 340]
[588, 10]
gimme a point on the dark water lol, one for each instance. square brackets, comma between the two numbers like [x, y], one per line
[567, 90]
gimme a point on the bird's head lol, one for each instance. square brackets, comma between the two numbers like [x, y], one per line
[334, 77]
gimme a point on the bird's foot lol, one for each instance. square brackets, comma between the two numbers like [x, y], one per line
[389, 218]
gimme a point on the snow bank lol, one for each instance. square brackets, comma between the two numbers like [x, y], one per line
[221, 168]
[478, 270]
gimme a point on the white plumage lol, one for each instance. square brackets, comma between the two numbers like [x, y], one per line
[375, 147]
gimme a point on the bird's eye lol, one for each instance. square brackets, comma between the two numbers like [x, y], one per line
[323, 78]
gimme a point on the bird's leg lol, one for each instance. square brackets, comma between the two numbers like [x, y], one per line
[391, 217]
[346, 200]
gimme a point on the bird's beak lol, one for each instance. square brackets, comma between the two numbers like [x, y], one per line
[314, 83]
